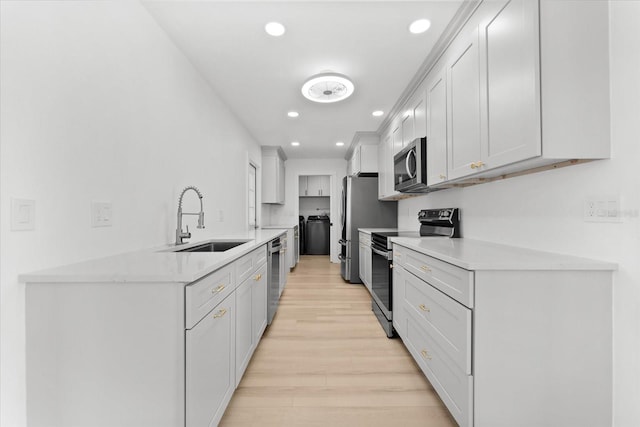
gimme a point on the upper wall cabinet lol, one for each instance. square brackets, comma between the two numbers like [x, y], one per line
[364, 157]
[523, 85]
[273, 175]
[436, 127]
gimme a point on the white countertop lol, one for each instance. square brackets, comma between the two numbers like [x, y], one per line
[283, 226]
[480, 255]
[376, 230]
[157, 264]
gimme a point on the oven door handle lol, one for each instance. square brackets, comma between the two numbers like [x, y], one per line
[386, 255]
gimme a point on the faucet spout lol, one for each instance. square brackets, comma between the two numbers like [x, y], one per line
[180, 235]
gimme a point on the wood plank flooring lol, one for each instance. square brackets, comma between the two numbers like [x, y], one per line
[325, 361]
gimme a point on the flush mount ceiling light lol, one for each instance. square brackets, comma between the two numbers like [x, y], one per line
[419, 26]
[327, 87]
[377, 113]
[274, 29]
[339, 143]
[295, 143]
[293, 114]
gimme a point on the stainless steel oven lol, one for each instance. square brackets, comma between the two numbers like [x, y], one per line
[433, 222]
[410, 167]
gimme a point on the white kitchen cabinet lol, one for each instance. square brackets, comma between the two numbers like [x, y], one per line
[515, 319]
[173, 343]
[414, 123]
[318, 186]
[386, 189]
[273, 175]
[464, 136]
[510, 76]
[284, 264]
[436, 103]
[364, 159]
[364, 258]
[251, 317]
[303, 182]
[210, 361]
[396, 136]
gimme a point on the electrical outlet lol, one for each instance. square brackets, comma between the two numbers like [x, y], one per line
[23, 213]
[602, 209]
[101, 214]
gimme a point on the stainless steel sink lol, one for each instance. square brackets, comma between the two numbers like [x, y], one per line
[215, 246]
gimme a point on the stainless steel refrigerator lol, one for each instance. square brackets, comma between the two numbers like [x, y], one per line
[361, 209]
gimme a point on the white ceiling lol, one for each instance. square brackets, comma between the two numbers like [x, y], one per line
[259, 77]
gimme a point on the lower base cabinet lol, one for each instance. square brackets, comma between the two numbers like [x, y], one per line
[251, 318]
[163, 354]
[210, 361]
[509, 345]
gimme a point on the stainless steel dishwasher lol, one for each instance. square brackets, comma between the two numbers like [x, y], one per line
[273, 272]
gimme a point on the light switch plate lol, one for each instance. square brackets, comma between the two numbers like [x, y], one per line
[101, 214]
[23, 214]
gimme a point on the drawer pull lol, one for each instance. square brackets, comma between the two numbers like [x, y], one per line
[258, 277]
[220, 313]
[425, 354]
[425, 269]
[477, 165]
[424, 308]
[218, 289]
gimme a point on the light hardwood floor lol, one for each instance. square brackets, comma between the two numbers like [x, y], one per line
[325, 361]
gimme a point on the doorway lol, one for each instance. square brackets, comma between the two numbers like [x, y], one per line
[314, 207]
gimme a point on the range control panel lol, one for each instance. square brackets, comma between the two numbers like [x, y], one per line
[440, 222]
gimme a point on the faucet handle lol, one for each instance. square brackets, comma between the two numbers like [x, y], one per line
[187, 234]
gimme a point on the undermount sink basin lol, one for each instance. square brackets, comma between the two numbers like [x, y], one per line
[218, 246]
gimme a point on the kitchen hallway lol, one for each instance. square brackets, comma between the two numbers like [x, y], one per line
[325, 360]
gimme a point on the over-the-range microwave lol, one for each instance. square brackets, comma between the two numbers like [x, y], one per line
[410, 167]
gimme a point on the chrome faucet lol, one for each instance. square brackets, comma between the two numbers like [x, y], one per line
[186, 235]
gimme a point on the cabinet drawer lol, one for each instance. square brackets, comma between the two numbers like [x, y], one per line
[206, 293]
[246, 265]
[453, 281]
[447, 321]
[454, 387]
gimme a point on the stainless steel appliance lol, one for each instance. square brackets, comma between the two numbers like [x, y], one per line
[410, 167]
[433, 222]
[318, 229]
[274, 253]
[361, 209]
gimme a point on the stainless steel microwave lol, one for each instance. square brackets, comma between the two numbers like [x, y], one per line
[410, 167]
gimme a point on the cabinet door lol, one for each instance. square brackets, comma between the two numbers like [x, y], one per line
[398, 299]
[436, 128]
[314, 186]
[356, 165]
[210, 358]
[382, 166]
[244, 324]
[419, 111]
[280, 179]
[259, 303]
[464, 126]
[367, 266]
[361, 265]
[389, 184]
[397, 142]
[407, 127]
[302, 186]
[509, 46]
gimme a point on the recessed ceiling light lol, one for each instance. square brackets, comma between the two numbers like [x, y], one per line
[327, 87]
[377, 113]
[295, 143]
[339, 143]
[274, 29]
[293, 114]
[419, 26]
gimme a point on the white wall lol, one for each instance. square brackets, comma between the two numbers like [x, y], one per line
[288, 213]
[98, 104]
[545, 210]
